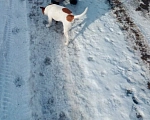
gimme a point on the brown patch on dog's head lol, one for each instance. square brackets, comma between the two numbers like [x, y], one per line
[66, 10]
[43, 8]
[50, 4]
[70, 18]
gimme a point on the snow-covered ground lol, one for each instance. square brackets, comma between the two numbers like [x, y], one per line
[14, 61]
[98, 76]
[142, 19]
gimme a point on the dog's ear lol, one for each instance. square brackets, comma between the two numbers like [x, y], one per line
[43, 8]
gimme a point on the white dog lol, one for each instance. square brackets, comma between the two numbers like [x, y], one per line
[60, 13]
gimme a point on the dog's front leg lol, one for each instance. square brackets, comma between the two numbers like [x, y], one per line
[49, 22]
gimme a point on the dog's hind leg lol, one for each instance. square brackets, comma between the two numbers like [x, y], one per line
[66, 35]
[66, 30]
[67, 38]
[49, 22]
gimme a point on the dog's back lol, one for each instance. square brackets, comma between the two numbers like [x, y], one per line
[58, 13]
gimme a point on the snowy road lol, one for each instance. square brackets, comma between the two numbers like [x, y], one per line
[15, 64]
[98, 76]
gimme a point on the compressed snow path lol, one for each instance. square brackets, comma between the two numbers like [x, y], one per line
[97, 76]
[14, 61]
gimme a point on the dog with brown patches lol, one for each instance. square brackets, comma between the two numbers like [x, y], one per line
[60, 13]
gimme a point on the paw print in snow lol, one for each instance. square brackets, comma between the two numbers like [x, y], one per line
[15, 30]
[47, 61]
[18, 82]
[103, 73]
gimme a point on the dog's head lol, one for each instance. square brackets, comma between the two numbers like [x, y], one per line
[43, 9]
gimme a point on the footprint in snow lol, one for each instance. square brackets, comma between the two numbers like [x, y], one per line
[18, 82]
[111, 29]
[136, 114]
[90, 59]
[47, 61]
[103, 73]
[62, 116]
[108, 40]
[135, 100]
[129, 92]
[15, 30]
[148, 85]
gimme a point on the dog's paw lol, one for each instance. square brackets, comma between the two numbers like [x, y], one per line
[66, 43]
[47, 25]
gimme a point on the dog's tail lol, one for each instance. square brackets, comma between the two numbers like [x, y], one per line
[78, 16]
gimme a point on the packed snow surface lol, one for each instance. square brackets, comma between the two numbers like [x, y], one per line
[98, 76]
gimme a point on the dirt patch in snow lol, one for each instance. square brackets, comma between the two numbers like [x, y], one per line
[144, 4]
[133, 32]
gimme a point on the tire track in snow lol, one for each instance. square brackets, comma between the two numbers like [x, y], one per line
[4, 71]
[15, 93]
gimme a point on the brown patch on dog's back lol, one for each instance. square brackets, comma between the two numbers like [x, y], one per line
[70, 18]
[66, 10]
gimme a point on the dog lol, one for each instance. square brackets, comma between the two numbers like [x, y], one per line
[63, 14]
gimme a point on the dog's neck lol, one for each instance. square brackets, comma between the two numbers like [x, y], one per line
[46, 9]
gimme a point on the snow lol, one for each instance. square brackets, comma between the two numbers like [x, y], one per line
[99, 75]
[142, 20]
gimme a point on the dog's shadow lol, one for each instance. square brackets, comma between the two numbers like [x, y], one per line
[96, 9]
